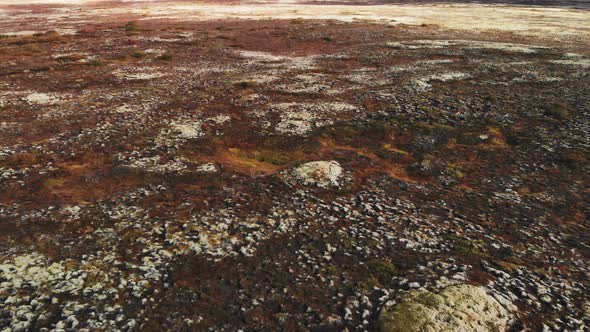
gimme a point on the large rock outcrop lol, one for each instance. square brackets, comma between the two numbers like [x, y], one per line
[456, 308]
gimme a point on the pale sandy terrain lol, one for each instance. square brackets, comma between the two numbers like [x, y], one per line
[555, 23]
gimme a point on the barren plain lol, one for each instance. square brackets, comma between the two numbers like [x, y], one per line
[294, 166]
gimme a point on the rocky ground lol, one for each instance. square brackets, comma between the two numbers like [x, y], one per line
[292, 175]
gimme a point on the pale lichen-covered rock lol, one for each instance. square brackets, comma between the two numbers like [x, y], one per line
[586, 309]
[32, 270]
[456, 308]
[419, 85]
[300, 119]
[27, 281]
[138, 74]
[155, 164]
[579, 62]
[179, 131]
[323, 174]
[187, 130]
[38, 98]
[207, 168]
[445, 77]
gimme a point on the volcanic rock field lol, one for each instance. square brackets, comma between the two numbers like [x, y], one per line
[309, 172]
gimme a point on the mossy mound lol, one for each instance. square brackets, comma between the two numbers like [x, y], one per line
[456, 308]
